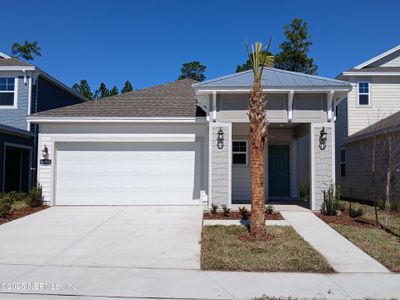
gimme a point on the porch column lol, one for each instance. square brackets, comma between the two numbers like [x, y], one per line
[322, 163]
[220, 176]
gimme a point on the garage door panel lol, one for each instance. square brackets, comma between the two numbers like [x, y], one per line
[127, 173]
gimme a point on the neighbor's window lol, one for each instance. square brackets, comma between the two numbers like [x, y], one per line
[239, 152]
[342, 162]
[7, 88]
[363, 93]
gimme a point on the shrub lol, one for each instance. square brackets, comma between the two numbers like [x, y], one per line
[35, 197]
[395, 206]
[341, 206]
[269, 209]
[6, 202]
[244, 212]
[226, 210]
[381, 204]
[305, 192]
[214, 208]
[355, 213]
[330, 204]
[17, 196]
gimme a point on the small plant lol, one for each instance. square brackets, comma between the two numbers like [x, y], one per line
[226, 210]
[395, 206]
[244, 212]
[304, 192]
[330, 204]
[381, 204]
[356, 213]
[341, 206]
[6, 202]
[269, 209]
[35, 197]
[214, 208]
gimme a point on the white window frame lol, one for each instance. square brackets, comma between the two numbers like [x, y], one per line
[342, 162]
[15, 105]
[369, 94]
[241, 152]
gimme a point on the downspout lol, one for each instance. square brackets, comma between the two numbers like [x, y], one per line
[35, 138]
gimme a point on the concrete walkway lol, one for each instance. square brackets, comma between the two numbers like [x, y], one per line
[137, 283]
[341, 254]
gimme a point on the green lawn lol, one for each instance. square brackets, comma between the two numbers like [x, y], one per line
[381, 245]
[286, 252]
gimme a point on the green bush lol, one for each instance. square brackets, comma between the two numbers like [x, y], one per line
[355, 213]
[6, 202]
[35, 197]
[214, 208]
[304, 192]
[395, 206]
[244, 212]
[18, 196]
[381, 204]
[331, 200]
[269, 209]
[341, 205]
[226, 210]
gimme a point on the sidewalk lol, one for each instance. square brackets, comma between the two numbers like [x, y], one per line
[107, 283]
[341, 254]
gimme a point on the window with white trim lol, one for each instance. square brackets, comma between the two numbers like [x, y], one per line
[7, 90]
[239, 152]
[363, 93]
[342, 162]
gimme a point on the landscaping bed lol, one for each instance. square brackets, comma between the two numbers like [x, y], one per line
[381, 243]
[225, 248]
[20, 211]
[235, 215]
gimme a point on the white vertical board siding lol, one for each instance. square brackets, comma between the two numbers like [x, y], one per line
[51, 134]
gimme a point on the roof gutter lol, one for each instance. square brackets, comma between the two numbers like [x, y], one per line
[370, 74]
[54, 119]
[219, 90]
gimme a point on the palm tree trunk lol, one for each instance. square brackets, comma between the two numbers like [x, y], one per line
[258, 135]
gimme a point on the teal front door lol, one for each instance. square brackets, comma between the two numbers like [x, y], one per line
[278, 171]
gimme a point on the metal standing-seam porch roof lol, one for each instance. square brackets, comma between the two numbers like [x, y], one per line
[273, 79]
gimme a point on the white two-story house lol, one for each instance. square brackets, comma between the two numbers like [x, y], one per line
[375, 97]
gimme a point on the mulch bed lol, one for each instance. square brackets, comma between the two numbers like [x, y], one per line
[19, 213]
[235, 215]
[346, 220]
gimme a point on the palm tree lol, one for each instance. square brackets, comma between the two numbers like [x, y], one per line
[27, 50]
[258, 137]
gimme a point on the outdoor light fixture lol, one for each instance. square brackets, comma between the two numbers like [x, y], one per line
[45, 152]
[220, 139]
[322, 138]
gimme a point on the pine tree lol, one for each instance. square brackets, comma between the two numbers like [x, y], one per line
[193, 70]
[127, 87]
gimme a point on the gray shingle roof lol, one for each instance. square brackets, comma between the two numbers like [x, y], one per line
[176, 99]
[272, 78]
[390, 123]
[376, 69]
[12, 62]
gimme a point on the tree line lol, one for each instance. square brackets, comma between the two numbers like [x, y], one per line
[293, 56]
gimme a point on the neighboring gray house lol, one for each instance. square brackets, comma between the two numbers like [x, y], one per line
[375, 96]
[187, 143]
[24, 89]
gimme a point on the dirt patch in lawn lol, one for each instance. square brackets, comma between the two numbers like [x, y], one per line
[22, 212]
[223, 250]
[235, 215]
[346, 220]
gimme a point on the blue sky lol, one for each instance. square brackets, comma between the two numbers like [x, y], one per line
[147, 41]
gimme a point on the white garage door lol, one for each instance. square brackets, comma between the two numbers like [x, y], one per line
[127, 173]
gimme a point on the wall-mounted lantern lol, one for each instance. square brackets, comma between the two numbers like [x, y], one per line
[220, 139]
[322, 138]
[45, 156]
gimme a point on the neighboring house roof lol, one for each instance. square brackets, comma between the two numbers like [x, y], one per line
[176, 99]
[391, 123]
[378, 57]
[8, 62]
[273, 78]
[15, 131]
[375, 69]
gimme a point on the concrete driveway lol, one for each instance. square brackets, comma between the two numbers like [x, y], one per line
[105, 236]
